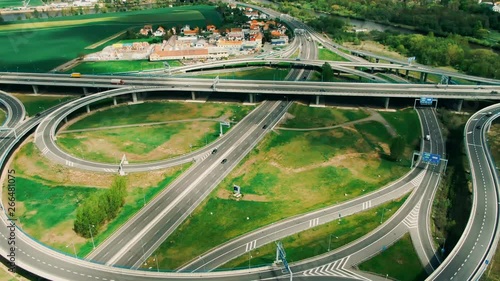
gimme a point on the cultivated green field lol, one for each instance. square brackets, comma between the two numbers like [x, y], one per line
[140, 143]
[158, 112]
[18, 3]
[103, 67]
[398, 262]
[38, 103]
[3, 116]
[52, 42]
[303, 116]
[327, 167]
[47, 195]
[264, 73]
[320, 239]
[325, 54]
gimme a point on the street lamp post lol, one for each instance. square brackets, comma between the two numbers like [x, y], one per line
[444, 243]
[249, 258]
[91, 235]
[156, 259]
[382, 217]
[330, 241]
[74, 250]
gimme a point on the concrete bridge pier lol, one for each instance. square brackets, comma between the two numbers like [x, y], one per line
[373, 69]
[251, 98]
[407, 73]
[85, 91]
[423, 77]
[459, 105]
[193, 95]
[88, 108]
[66, 119]
[134, 97]
[114, 101]
[397, 72]
[449, 80]
[386, 103]
[35, 89]
[376, 60]
[317, 100]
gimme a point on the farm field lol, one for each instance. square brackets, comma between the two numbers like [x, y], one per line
[320, 239]
[48, 194]
[326, 168]
[55, 41]
[18, 3]
[105, 67]
[398, 262]
[38, 103]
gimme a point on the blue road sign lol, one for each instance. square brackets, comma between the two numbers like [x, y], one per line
[486, 261]
[426, 157]
[435, 159]
[426, 101]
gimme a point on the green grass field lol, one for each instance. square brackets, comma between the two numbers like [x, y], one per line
[3, 116]
[325, 54]
[264, 73]
[18, 3]
[34, 104]
[140, 144]
[48, 194]
[320, 239]
[103, 67]
[52, 42]
[134, 202]
[311, 117]
[327, 167]
[398, 262]
[159, 111]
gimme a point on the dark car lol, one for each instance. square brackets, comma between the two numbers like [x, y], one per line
[214, 151]
[494, 92]
[264, 127]
[223, 161]
[478, 127]
[38, 114]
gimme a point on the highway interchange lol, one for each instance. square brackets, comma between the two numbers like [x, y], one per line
[466, 261]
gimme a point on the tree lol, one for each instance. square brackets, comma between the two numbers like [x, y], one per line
[327, 72]
[397, 148]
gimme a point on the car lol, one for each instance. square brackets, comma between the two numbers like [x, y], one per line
[224, 161]
[489, 114]
[478, 127]
[38, 114]
[214, 151]
[264, 127]
[494, 92]
[428, 137]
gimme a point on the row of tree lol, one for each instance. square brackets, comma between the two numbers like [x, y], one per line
[463, 17]
[100, 208]
[437, 51]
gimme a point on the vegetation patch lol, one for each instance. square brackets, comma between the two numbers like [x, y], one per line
[104, 67]
[325, 54]
[399, 262]
[149, 112]
[302, 116]
[140, 144]
[327, 167]
[320, 239]
[263, 73]
[3, 116]
[38, 103]
[48, 195]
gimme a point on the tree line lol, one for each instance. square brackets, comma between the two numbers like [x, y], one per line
[100, 208]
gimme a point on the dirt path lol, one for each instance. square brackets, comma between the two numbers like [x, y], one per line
[374, 116]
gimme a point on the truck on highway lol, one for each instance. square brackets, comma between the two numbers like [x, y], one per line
[117, 81]
[76, 75]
